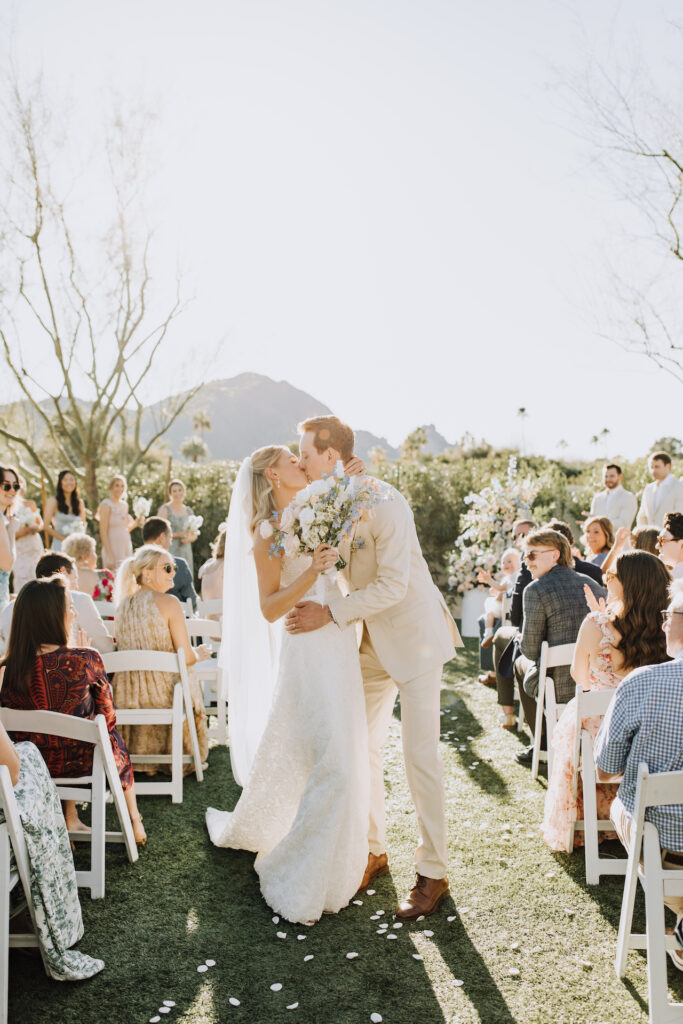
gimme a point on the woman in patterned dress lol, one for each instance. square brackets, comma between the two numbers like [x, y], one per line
[41, 672]
[54, 891]
[615, 638]
[178, 515]
[65, 512]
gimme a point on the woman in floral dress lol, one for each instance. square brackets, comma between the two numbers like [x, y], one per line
[614, 639]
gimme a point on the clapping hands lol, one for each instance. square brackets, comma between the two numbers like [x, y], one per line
[593, 603]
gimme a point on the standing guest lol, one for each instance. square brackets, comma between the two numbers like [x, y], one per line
[43, 673]
[211, 573]
[9, 490]
[178, 515]
[663, 495]
[644, 724]
[88, 619]
[613, 640]
[614, 503]
[149, 619]
[598, 538]
[65, 512]
[158, 531]
[116, 524]
[28, 543]
[554, 608]
[96, 583]
[54, 892]
[670, 544]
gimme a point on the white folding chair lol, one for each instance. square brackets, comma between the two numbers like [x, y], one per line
[102, 784]
[657, 882]
[208, 675]
[207, 608]
[106, 609]
[546, 703]
[188, 610]
[11, 838]
[180, 711]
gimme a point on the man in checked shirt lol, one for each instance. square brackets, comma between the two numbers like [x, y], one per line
[645, 723]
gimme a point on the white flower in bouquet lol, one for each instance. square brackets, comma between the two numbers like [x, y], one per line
[24, 516]
[194, 524]
[266, 529]
[141, 507]
[76, 527]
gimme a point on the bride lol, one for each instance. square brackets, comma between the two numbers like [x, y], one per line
[305, 804]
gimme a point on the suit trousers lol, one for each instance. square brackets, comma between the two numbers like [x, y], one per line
[522, 666]
[502, 639]
[420, 734]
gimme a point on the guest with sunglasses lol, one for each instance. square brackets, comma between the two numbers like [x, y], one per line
[149, 618]
[157, 530]
[670, 543]
[9, 492]
[554, 608]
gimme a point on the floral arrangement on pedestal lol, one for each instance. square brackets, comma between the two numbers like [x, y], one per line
[486, 527]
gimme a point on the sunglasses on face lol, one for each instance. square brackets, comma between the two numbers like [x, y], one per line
[531, 556]
[169, 567]
[663, 539]
[7, 486]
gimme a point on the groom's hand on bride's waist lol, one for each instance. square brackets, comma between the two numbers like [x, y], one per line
[307, 616]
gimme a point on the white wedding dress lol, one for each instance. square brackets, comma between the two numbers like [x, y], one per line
[305, 806]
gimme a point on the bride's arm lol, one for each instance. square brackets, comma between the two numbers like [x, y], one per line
[275, 602]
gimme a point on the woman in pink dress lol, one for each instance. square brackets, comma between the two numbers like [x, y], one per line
[115, 525]
[614, 639]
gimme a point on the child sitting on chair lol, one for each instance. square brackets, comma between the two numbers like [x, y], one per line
[493, 607]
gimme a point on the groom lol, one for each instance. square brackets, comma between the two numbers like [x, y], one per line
[408, 634]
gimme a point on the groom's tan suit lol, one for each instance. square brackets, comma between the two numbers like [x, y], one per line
[408, 635]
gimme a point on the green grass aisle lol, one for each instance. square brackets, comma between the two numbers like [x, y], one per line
[515, 907]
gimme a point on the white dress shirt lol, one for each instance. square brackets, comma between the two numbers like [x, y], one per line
[660, 498]
[617, 505]
[87, 618]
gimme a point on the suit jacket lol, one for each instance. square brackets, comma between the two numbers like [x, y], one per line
[618, 505]
[183, 585]
[392, 591]
[671, 500]
[524, 578]
[554, 608]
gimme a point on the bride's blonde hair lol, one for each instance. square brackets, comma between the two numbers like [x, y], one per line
[129, 576]
[262, 497]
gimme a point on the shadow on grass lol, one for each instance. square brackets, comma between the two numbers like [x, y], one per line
[460, 728]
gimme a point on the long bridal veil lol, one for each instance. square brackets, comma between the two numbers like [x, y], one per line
[251, 646]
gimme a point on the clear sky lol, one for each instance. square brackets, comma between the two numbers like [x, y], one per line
[383, 202]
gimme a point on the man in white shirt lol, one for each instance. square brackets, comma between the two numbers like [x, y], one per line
[87, 616]
[616, 504]
[663, 495]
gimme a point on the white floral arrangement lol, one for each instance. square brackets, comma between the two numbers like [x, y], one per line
[78, 526]
[323, 513]
[194, 524]
[141, 507]
[486, 527]
[25, 516]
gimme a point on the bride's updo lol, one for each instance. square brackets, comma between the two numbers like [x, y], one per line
[262, 497]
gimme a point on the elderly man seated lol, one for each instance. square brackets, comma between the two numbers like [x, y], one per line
[644, 723]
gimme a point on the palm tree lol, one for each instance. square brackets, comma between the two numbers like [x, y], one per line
[522, 413]
[194, 449]
[201, 423]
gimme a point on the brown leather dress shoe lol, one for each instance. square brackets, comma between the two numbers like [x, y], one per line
[424, 898]
[377, 866]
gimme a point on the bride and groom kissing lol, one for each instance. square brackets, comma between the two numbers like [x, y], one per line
[310, 707]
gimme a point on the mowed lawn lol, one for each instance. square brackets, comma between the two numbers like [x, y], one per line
[522, 938]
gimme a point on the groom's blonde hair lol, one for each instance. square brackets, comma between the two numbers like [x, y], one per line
[330, 432]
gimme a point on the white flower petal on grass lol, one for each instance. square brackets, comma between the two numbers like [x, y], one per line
[515, 945]
[308, 957]
[154, 1020]
[282, 935]
[513, 972]
[379, 912]
[586, 964]
[391, 935]
[358, 903]
[209, 963]
[569, 912]
[301, 937]
[276, 987]
[351, 956]
[458, 982]
[276, 919]
[374, 917]
[371, 892]
[427, 933]
[233, 1001]
[202, 969]
[293, 1006]
[421, 918]
[397, 924]
[164, 1009]
[168, 1002]
[418, 956]
[376, 1018]
[451, 918]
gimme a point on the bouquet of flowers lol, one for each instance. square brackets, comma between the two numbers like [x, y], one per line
[486, 527]
[323, 513]
[78, 526]
[141, 507]
[24, 516]
[194, 524]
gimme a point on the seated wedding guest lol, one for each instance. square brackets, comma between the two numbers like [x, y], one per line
[9, 490]
[64, 514]
[587, 568]
[148, 618]
[493, 607]
[88, 619]
[614, 503]
[55, 899]
[614, 639]
[554, 608]
[27, 540]
[598, 538]
[116, 524]
[96, 583]
[178, 515]
[211, 572]
[157, 530]
[42, 672]
[670, 543]
[663, 495]
[643, 538]
[644, 724]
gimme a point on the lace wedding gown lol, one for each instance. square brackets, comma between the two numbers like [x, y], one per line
[305, 806]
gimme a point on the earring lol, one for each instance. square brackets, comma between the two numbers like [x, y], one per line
[277, 482]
